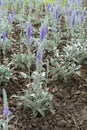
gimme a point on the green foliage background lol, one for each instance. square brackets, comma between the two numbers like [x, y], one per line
[62, 2]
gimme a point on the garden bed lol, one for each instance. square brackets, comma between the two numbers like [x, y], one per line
[62, 44]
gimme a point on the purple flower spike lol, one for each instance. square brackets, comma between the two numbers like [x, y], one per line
[6, 111]
[73, 20]
[0, 2]
[47, 8]
[77, 13]
[73, 1]
[82, 19]
[9, 19]
[30, 7]
[28, 32]
[43, 32]
[56, 13]
[70, 12]
[12, 14]
[38, 59]
[4, 36]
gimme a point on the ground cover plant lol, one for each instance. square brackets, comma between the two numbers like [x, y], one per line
[43, 65]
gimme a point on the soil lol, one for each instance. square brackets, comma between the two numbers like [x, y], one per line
[70, 103]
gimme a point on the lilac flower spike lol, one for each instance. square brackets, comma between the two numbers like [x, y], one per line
[0, 2]
[82, 19]
[72, 1]
[77, 13]
[28, 32]
[38, 59]
[83, 16]
[56, 13]
[6, 111]
[11, 15]
[43, 32]
[73, 20]
[9, 19]
[47, 8]
[70, 12]
[30, 7]
[4, 36]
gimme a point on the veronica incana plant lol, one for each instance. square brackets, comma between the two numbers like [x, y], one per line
[4, 122]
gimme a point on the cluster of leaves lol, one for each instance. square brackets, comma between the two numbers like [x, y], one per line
[37, 99]
[76, 52]
[21, 60]
[5, 73]
[65, 65]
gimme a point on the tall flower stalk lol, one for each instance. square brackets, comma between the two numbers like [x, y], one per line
[4, 42]
[6, 111]
[28, 44]
[39, 53]
[43, 32]
[38, 60]
[56, 13]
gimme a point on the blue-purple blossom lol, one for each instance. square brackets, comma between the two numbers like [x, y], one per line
[83, 16]
[56, 13]
[43, 32]
[12, 13]
[77, 13]
[38, 59]
[0, 2]
[6, 111]
[73, 20]
[82, 19]
[30, 7]
[10, 16]
[72, 1]
[70, 12]
[28, 32]
[4, 36]
[51, 9]
[47, 8]
[53, 29]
